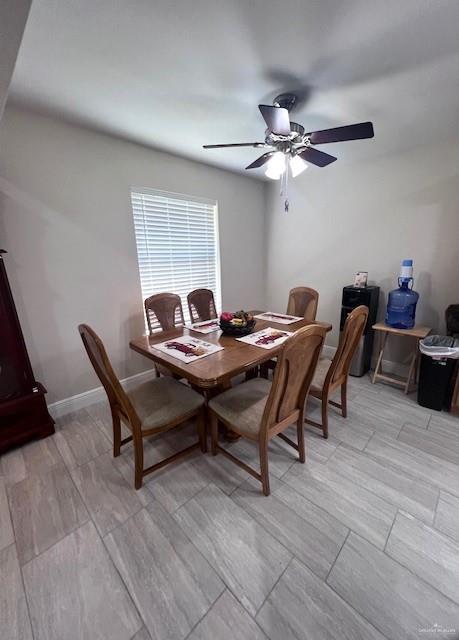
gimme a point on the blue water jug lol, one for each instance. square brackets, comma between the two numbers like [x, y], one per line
[401, 303]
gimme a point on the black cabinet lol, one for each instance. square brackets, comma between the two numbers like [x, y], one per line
[23, 411]
[353, 297]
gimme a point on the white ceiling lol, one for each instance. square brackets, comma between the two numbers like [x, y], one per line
[176, 74]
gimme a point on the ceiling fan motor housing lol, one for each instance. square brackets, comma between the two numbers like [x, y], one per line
[295, 136]
[285, 100]
[296, 128]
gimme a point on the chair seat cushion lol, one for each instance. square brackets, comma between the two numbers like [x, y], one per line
[320, 374]
[243, 405]
[163, 400]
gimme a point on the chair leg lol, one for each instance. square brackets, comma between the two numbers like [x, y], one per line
[264, 467]
[344, 399]
[300, 436]
[325, 416]
[213, 433]
[138, 460]
[116, 435]
[202, 431]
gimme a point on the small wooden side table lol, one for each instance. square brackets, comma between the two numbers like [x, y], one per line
[417, 333]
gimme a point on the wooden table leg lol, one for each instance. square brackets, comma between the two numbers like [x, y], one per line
[378, 367]
[252, 373]
[412, 372]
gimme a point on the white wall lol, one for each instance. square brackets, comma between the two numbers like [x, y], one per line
[66, 221]
[368, 216]
[13, 18]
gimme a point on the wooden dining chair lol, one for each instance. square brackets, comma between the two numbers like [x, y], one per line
[303, 301]
[260, 410]
[332, 374]
[164, 312]
[201, 305]
[152, 408]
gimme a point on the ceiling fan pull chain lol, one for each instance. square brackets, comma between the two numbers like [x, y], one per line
[284, 188]
[283, 182]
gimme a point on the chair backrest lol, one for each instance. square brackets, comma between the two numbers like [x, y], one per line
[201, 304]
[303, 301]
[293, 375]
[349, 340]
[119, 400]
[164, 311]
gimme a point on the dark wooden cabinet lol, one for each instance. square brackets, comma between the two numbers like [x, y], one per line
[23, 411]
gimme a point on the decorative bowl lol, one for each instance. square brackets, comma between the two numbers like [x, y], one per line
[230, 330]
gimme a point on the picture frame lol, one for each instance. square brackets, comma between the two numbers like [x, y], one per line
[361, 279]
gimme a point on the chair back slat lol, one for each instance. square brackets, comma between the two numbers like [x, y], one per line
[293, 374]
[117, 397]
[164, 312]
[201, 305]
[349, 340]
[302, 302]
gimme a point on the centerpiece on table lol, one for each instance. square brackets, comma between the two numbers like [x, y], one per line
[237, 324]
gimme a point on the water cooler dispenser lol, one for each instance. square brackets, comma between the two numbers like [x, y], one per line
[353, 297]
[401, 302]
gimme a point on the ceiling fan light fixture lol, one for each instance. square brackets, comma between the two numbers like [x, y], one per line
[276, 166]
[297, 165]
[273, 175]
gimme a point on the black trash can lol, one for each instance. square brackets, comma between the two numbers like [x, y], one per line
[438, 362]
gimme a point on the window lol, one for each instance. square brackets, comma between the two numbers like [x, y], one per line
[177, 244]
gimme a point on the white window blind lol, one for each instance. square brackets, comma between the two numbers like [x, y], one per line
[177, 244]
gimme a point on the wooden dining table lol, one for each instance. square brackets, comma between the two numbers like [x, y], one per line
[213, 374]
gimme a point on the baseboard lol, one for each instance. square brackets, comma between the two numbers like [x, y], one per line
[93, 396]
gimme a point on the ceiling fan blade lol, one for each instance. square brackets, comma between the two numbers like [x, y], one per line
[276, 118]
[261, 160]
[234, 144]
[341, 134]
[314, 156]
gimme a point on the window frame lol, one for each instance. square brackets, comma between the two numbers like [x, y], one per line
[139, 191]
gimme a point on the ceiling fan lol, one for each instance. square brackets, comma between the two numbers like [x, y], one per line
[290, 145]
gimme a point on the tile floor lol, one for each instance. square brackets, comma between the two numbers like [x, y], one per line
[361, 542]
